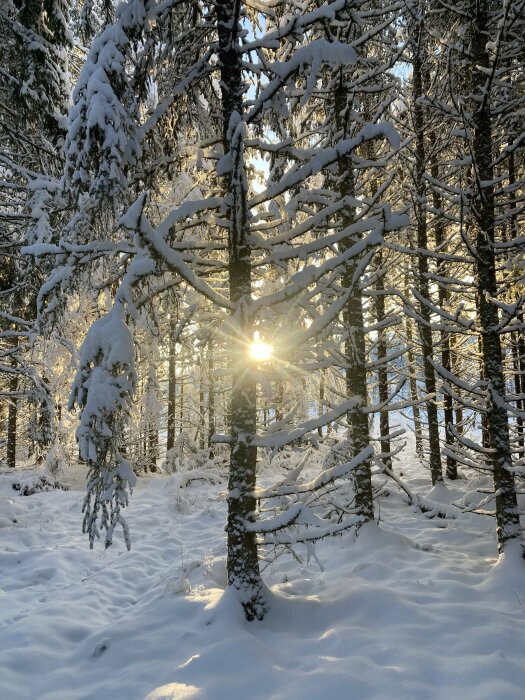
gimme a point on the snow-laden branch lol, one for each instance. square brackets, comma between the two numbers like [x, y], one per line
[40, 250]
[324, 157]
[312, 56]
[323, 479]
[429, 507]
[310, 274]
[477, 389]
[279, 438]
[135, 220]
[301, 252]
[297, 514]
[197, 71]
[312, 534]
[103, 389]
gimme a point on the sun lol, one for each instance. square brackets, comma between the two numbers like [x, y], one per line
[259, 351]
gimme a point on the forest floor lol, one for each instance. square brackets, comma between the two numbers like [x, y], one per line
[413, 608]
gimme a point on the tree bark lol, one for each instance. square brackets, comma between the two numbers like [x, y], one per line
[172, 386]
[382, 372]
[321, 401]
[12, 422]
[202, 402]
[412, 373]
[211, 392]
[181, 394]
[483, 211]
[242, 560]
[425, 330]
[451, 470]
[153, 446]
[518, 343]
[354, 326]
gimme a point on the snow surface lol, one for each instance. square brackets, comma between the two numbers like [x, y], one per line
[414, 608]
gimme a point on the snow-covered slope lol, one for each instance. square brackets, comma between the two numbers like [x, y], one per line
[414, 608]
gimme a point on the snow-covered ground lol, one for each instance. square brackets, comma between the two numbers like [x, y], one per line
[414, 608]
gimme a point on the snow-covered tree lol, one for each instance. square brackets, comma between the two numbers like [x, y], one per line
[114, 147]
[103, 388]
[479, 43]
[35, 46]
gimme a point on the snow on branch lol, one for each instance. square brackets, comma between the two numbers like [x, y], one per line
[291, 23]
[200, 69]
[301, 521]
[312, 57]
[313, 534]
[323, 479]
[279, 438]
[310, 274]
[316, 528]
[323, 157]
[476, 388]
[102, 135]
[102, 389]
[429, 507]
[279, 522]
[287, 252]
[136, 221]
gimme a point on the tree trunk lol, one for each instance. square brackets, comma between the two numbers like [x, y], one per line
[242, 560]
[12, 422]
[172, 386]
[202, 402]
[181, 394]
[412, 370]
[446, 360]
[354, 326]
[153, 446]
[279, 400]
[483, 210]
[456, 368]
[211, 393]
[382, 372]
[425, 330]
[321, 401]
[518, 343]
[517, 386]
[518, 354]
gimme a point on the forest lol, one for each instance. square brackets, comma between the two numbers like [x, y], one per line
[262, 268]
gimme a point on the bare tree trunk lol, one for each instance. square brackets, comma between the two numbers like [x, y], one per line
[153, 446]
[458, 408]
[279, 400]
[382, 372]
[412, 369]
[202, 402]
[451, 464]
[425, 330]
[518, 354]
[321, 401]
[353, 323]
[485, 437]
[12, 422]
[518, 343]
[483, 210]
[242, 560]
[172, 386]
[211, 392]
[181, 394]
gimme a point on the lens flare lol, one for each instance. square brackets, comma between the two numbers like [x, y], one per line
[260, 351]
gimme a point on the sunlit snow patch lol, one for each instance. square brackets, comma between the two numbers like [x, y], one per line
[175, 691]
